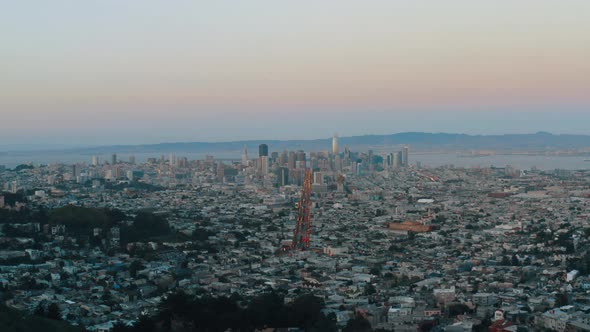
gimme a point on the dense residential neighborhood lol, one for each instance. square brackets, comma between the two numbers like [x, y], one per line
[403, 247]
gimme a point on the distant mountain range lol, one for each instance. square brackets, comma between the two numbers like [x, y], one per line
[541, 141]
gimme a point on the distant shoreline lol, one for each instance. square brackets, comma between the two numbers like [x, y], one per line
[428, 159]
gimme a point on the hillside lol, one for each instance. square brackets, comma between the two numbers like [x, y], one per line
[540, 141]
[15, 321]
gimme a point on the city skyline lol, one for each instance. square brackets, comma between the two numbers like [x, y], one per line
[263, 165]
[104, 73]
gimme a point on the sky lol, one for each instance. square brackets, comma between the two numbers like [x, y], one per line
[131, 72]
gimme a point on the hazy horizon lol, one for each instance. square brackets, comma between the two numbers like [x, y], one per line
[51, 147]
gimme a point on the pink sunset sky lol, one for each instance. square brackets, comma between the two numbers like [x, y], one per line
[130, 72]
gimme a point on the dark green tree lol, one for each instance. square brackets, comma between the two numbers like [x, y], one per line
[505, 261]
[134, 267]
[53, 312]
[515, 261]
[39, 310]
[370, 289]
[144, 324]
[306, 311]
[456, 309]
[358, 324]
[561, 299]
[326, 324]
[120, 327]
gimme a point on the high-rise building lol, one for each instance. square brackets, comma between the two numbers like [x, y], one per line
[132, 160]
[263, 150]
[114, 159]
[94, 160]
[397, 160]
[301, 156]
[116, 172]
[283, 176]
[335, 144]
[245, 156]
[337, 163]
[220, 171]
[291, 160]
[283, 158]
[318, 178]
[76, 170]
[181, 162]
[274, 157]
[263, 165]
[405, 156]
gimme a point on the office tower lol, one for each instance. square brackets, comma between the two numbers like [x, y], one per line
[263, 150]
[262, 160]
[274, 157]
[132, 160]
[405, 155]
[75, 171]
[182, 162]
[301, 155]
[94, 160]
[337, 163]
[314, 163]
[371, 160]
[291, 160]
[318, 178]
[397, 160]
[283, 176]
[245, 156]
[114, 159]
[116, 172]
[220, 171]
[335, 144]
[263, 165]
[171, 159]
[283, 158]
